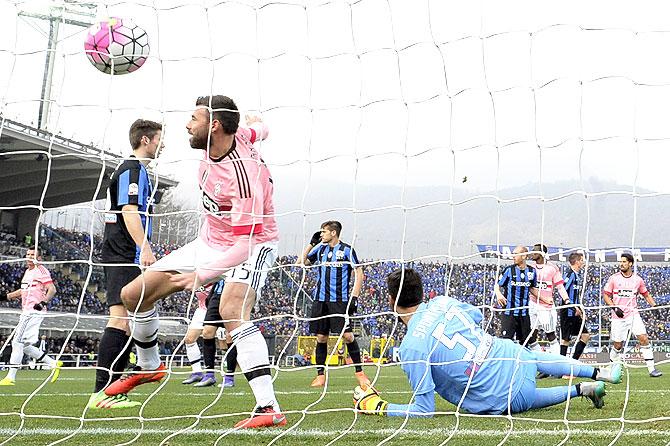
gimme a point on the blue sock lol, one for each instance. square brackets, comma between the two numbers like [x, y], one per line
[557, 365]
[548, 396]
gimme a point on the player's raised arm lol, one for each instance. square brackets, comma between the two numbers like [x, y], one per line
[309, 254]
[258, 129]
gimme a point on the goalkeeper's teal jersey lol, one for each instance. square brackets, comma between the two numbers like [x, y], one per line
[446, 351]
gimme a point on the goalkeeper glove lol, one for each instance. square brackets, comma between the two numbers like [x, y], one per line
[353, 305]
[39, 306]
[618, 311]
[368, 401]
[316, 239]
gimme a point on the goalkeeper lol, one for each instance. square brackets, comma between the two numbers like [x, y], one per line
[446, 351]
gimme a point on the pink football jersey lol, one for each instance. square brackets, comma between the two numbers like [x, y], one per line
[237, 193]
[34, 287]
[548, 277]
[624, 291]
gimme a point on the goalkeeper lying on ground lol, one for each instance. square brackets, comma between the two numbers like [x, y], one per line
[446, 351]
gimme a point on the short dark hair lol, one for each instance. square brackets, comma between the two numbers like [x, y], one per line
[223, 109]
[140, 128]
[412, 289]
[574, 257]
[333, 225]
[628, 257]
[540, 247]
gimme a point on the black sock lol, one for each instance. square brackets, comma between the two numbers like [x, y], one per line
[579, 349]
[564, 350]
[579, 388]
[321, 353]
[122, 363]
[355, 354]
[209, 353]
[111, 345]
[231, 359]
[595, 373]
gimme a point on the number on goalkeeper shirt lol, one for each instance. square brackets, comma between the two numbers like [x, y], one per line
[458, 338]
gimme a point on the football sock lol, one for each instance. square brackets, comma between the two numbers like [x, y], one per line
[252, 356]
[354, 353]
[38, 355]
[615, 355]
[144, 327]
[648, 356]
[209, 353]
[231, 358]
[194, 357]
[579, 349]
[554, 347]
[321, 353]
[111, 346]
[15, 359]
[564, 350]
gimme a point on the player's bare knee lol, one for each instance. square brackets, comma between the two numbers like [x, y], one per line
[191, 337]
[209, 332]
[128, 297]
[321, 339]
[348, 337]
[644, 340]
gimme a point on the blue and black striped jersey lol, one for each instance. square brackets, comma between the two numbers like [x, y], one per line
[515, 284]
[573, 286]
[336, 267]
[129, 184]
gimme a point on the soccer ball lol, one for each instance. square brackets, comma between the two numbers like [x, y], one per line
[116, 46]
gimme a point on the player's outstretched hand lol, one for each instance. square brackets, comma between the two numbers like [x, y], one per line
[618, 311]
[316, 238]
[187, 281]
[39, 306]
[368, 401]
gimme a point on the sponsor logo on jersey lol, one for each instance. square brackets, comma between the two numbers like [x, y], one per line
[520, 283]
[133, 189]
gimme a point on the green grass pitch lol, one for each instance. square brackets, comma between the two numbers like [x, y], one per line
[316, 419]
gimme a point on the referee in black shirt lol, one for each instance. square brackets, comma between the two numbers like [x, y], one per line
[125, 248]
[512, 290]
[337, 263]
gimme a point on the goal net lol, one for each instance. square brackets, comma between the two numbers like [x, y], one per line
[440, 134]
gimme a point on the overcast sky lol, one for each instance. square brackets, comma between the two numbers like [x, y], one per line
[373, 92]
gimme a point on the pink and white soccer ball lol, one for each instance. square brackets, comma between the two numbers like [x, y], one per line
[117, 46]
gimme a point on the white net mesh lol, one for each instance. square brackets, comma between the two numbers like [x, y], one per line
[425, 127]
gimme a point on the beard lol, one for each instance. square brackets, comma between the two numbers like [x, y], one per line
[199, 141]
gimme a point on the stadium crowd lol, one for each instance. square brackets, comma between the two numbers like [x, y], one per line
[284, 301]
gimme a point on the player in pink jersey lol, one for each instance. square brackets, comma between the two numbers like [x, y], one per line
[542, 311]
[621, 293]
[238, 240]
[37, 289]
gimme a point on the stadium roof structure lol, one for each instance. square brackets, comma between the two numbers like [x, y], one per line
[39, 168]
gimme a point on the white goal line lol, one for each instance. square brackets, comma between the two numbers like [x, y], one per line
[321, 433]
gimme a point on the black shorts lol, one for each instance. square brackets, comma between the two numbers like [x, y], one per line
[334, 323]
[213, 315]
[116, 277]
[518, 327]
[571, 326]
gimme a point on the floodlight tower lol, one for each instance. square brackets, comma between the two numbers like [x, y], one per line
[67, 12]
